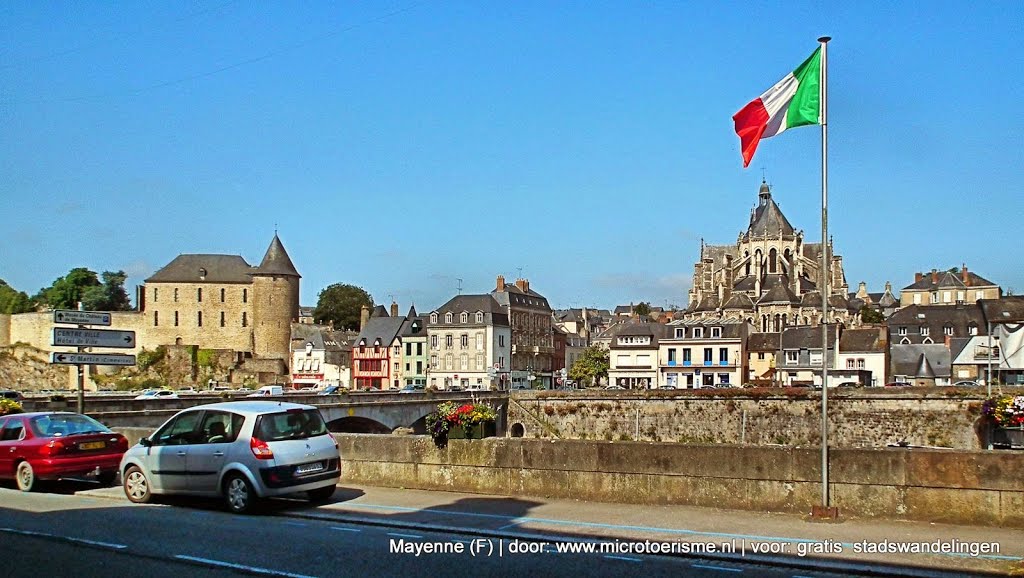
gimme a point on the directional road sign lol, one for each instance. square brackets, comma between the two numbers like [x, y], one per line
[93, 337]
[81, 317]
[92, 358]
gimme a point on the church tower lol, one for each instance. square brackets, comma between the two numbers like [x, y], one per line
[275, 288]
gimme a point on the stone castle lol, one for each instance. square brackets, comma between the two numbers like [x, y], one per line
[240, 314]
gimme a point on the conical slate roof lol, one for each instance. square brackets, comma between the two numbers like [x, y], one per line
[924, 368]
[767, 218]
[277, 261]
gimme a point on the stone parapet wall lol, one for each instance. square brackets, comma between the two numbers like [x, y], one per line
[936, 417]
[959, 487]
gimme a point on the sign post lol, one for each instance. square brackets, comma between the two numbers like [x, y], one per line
[81, 337]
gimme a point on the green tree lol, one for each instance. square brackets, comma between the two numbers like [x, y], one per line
[869, 315]
[67, 291]
[341, 304]
[642, 309]
[13, 301]
[591, 366]
[110, 296]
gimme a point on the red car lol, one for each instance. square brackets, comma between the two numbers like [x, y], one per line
[57, 446]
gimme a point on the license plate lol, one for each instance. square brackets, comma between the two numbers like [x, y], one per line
[309, 468]
[91, 445]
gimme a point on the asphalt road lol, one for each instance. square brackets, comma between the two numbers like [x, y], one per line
[59, 533]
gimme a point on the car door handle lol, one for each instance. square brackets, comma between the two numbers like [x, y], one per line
[219, 454]
[182, 454]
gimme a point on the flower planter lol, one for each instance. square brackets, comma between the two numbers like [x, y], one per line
[1008, 437]
[472, 432]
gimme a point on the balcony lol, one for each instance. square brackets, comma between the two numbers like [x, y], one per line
[671, 362]
[687, 363]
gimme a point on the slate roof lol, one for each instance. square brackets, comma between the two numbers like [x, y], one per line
[708, 303]
[805, 337]
[514, 296]
[204, 269]
[383, 328]
[494, 312]
[778, 291]
[906, 359]
[1006, 310]
[948, 280]
[935, 318]
[764, 342]
[864, 340]
[276, 261]
[767, 217]
[632, 328]
[739, 301]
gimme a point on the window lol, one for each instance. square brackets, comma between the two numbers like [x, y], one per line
[947, 296]
[199, 319]
[448, 317]
[448, 361]
[851, 364]
[792, 357]
[433, 317]
[501, 341]
[156, 319]
[419, 348]
[723, 355]
[760, 355]
[643, 360]
[199, 295]
[408, 349]
[672, 356]
[154, 294]
[245, 319]
[716, 332]
[686, 355]
[175, 295]
[917, 298]
[680, 332]
[723, 379]
[621, 360]
[972, 330]
[698, 332]
[960, 295]
[222, 295]
[947, 330]
[479, 317]
[448, 340]
[245, 297]
[396, 368]
[902, 330]
[222, 320]
[924, 331]
[815, 358]
[464, 317]
[433, 362]
[979, 295]
[479, 341]
[175, 318]
[935, 297]
[464, 341]
[397, 349]
[433, 341]
[860, 363]
[501, 361]
[708, 355]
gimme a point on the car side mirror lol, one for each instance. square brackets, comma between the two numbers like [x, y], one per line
[145, 442]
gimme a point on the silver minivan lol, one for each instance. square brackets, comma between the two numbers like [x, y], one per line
[241, 451]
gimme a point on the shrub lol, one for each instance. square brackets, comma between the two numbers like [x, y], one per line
[9, 406]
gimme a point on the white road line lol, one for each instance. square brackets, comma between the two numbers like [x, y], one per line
[253, 569]
[339, 528]
[59, 537]
[404, 535]
[626, 558]
[721, 568]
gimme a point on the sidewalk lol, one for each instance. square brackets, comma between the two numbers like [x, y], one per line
[825, 546]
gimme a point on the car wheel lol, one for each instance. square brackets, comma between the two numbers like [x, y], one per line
[239, 495]
[136, 485]
[25, 476]
[321, 495]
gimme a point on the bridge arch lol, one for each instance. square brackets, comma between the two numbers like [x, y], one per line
[357, 424]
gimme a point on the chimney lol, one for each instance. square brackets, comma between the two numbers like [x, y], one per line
[935, 276]
[394, 309]
[862, 290]
[521, 283]
[963, 275]
[364, 317]
[501, 284]
[918, 277]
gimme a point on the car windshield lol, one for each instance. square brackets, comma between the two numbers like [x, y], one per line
[65, 424]
[290, 425]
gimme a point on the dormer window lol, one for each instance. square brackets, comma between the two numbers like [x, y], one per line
[972, 329]
[479, 317]
[202, 273]
[924, 331]
[433, 318]
[901, 330]
[947, 330]
[448, 317]
[716, 332]
[698, 332]
[464, 318]
[680, 332]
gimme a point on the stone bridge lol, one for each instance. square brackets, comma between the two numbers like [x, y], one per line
[352, 413]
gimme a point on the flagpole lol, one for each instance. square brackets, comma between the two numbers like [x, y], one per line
[825, 271]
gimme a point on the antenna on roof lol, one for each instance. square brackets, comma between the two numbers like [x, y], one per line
[520, 273]
[460, 285]
[275, 229]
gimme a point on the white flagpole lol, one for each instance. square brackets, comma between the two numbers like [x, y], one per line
[825, 271]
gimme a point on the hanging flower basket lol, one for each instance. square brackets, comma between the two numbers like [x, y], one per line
[1007, 415]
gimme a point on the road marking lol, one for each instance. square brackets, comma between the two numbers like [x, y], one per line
[512, 525]
[626, 558]
[404, 535]
[339, 528]
[721, 568]
[294, 523]
[79, 540]
[253, 569]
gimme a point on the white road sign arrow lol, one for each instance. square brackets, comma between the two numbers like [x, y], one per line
[67, 336]
[92, 358]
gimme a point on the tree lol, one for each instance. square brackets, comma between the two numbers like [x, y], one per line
[110, 296]
[642, 309]
[869, 315]
[591, 366]
[342, 305]
[13, 301]
[66, 291]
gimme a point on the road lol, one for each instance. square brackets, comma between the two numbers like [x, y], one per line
[77, 534]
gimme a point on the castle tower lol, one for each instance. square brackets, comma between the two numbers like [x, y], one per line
[275, 288]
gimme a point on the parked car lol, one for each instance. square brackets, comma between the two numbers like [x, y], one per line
[666, 387]
[12, 395]
[333, 390]
[413, 388]
[157, 394]
[267, 391]
[241, 451]
[615, 387]
[850, 384]
[58, 446]
[966, 383]
[899, 384]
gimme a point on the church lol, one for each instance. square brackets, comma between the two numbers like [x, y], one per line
[770, 278]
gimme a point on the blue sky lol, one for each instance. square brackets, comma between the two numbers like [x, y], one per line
[588, 146]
